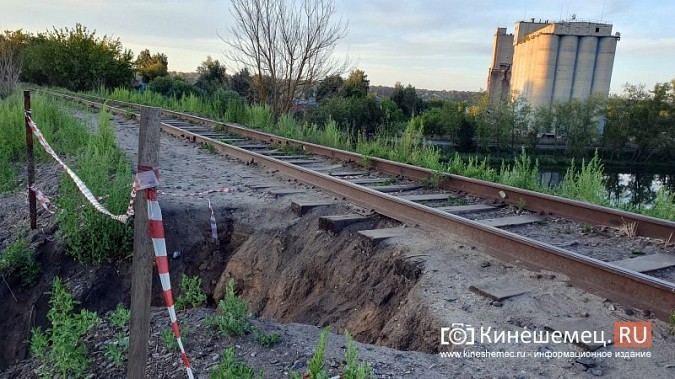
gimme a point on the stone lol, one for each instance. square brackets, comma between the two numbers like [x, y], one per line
[596, 371]
[586, 361]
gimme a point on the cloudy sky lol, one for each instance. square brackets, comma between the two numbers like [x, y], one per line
[434, 44]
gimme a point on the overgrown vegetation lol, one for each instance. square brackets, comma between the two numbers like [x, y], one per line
[169, 339]
[60, 349]
[116, 351]
[264, 339]
[352, 369]
[233, 319]
[64, 133]
[18, 260]
[191, 295]
[89, 236]
[231, 368]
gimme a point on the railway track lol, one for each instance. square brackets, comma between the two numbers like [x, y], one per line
[483, 214]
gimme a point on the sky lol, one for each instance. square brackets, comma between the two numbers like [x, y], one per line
[431, 44]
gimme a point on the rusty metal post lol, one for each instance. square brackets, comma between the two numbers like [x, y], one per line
[30, 161]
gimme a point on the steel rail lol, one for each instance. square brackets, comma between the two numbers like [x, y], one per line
[604, 279]
[579, 211]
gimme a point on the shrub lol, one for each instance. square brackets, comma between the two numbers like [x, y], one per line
[191, 295]
[60, 349]
[233, 320]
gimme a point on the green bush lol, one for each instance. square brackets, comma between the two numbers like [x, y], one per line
[233, 320]
[316, 369]
[60, 349]
[191, 293]
[230, 368]
[18, 260]
[586, 184]
[523, 173]
[264, 339]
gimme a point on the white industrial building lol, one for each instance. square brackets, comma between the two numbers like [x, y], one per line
[546, 62]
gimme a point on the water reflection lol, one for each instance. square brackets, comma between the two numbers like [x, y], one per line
[624, 186]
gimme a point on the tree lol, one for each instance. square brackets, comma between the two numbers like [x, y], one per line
[11, 47]
[151, 66]
[406, 99]
[329, 86]
[242, 83]
[356, 84]
[76, 59]
[291, 42]
[212, 76]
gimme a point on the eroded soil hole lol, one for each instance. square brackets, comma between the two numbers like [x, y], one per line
[291, 272]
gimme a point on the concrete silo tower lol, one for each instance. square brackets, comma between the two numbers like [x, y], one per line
[556, 61]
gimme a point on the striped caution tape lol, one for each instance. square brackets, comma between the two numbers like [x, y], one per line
[162, 261]
[78, 182]
[42, 199]
[214, 227]
[198, 194]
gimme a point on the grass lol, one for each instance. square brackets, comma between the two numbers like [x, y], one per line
[18, 260]
[230, 368]
[585, 184]
[191, 295]
[62, 130]
[60, 349]
[89, 236]
[233, 320]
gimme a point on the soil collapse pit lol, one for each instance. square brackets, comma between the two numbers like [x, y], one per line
[298, 273]
[283, 266]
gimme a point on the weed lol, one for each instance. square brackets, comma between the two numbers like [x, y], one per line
[119, 318]
[316, 369]
[129, 115]
[60, 349]
[672, 323]
[586, 228]
[169, 339]
[264, 339]
[523, 174]
[230, 368]
[636, 253]
[210, 148]
[353, 369]
[234, 320]
[191, 293]
[89, 236]
[18, 260]
[628, 229]
[366, 162]
[521, 206]
[290, 149]
[664, 205]
[115, 351]
[585, 184]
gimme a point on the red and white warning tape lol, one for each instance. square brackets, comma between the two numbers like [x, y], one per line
[162, 261]
[42, 199]
[78, 182]
[214, 227]
[198, 194]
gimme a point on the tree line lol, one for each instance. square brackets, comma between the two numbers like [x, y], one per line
[284, 57]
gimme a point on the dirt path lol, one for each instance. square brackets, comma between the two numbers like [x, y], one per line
[398, 293]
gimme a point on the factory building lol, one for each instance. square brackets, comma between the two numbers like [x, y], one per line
[546, 62]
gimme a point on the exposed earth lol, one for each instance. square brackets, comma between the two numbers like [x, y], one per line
[393, 297]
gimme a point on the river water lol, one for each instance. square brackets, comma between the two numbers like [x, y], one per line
[623, 185]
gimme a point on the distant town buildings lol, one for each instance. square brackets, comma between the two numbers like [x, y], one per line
[546, 62]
